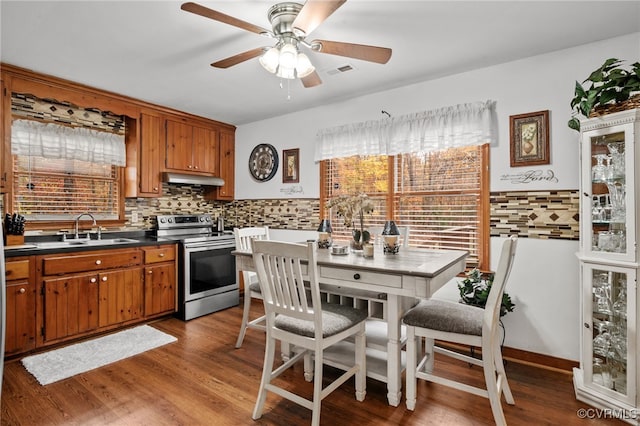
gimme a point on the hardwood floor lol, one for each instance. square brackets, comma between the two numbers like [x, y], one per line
[203, 380]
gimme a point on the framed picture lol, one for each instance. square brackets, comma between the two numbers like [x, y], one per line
[291, 165]
[529, 138]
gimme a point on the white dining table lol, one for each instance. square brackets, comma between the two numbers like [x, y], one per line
[398, 279]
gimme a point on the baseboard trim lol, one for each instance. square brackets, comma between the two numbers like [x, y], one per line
[523, 357]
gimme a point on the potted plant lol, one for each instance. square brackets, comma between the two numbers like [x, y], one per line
[474, 290]
[352, 208]
[610, 88]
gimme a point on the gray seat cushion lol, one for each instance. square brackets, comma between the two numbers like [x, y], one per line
[446, 316]
[255, 287]
[335, 318]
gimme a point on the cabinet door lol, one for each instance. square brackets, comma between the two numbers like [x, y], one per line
[151, 155]
[5, 136]
[609, 330]
[70, 306]
[121, 296]
[160, 288]
[205, 150]
[21, 317]
[607, 218]
[227, 166]
[179, 146]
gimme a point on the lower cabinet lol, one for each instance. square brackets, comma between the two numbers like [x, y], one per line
[70, 306]
[88, 292]
[159, 280]
[20, 305]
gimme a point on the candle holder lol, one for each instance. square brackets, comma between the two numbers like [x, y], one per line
[390, 238]
[324, 234]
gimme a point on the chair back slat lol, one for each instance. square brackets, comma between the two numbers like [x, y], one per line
[283, 272]
[244, 236]
[505, 264]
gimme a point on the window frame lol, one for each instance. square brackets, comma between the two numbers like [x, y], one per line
[484, 208]
[56, 224]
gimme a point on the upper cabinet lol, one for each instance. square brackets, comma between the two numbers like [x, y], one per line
[151, 154]
[190, 148]
[226, 168]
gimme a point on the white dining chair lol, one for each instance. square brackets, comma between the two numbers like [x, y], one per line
[288, 277]
[467, 325]
[376, 234]
[243, 237]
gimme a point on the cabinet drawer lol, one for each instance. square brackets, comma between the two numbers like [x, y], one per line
[159, 254]
[17, 269]
[91, 261]
[375, 278]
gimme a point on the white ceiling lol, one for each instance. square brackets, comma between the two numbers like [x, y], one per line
[153, 51]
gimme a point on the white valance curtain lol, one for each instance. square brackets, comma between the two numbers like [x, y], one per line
[51, 140]
[450, 127]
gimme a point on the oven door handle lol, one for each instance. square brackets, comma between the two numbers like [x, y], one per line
[194, 247]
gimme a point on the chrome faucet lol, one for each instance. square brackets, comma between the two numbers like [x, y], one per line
[78, 219]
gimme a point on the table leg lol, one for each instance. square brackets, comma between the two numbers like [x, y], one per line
[394, 347]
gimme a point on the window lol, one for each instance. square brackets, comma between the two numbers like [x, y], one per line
[442, 196]
[61, 189]
[61, 171]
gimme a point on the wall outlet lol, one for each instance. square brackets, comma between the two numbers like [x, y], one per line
[134, 216]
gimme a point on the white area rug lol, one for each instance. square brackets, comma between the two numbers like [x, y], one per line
[65, 362]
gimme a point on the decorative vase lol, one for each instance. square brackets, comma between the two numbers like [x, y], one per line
[359, 239]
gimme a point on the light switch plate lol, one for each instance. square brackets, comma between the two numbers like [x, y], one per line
[134, 216]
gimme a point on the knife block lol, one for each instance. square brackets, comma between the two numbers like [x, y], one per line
[14, 240]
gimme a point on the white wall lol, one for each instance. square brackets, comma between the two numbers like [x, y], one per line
[544, 283]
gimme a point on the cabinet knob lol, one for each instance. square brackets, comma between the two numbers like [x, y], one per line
[191, 167]
[98, 262]
[161, 255]
[155, 188]
[93, 280]
[356, 276]
[22, 290]
[150, 272]
[104, 278]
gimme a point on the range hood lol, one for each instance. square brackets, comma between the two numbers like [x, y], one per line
[188, 179]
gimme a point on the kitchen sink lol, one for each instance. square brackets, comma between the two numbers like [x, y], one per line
[84, 243]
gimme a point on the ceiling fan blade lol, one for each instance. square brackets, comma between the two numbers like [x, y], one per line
[240, 57]
[311, 80]
[313, 13]
[221, 17]
[377, 54]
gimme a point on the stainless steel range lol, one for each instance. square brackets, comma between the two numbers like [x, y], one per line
[207, 269]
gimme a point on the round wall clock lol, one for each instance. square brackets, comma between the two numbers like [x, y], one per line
[263, 162]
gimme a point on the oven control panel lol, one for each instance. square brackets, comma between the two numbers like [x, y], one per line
[184, 221]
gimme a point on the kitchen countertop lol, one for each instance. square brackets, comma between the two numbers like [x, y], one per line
[30, 248]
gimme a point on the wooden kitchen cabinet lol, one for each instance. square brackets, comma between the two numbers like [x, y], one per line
[226, 168]
[5, 135]
[20, 305]
[191, 148]
[152, 137]
[159, 280]
[88, 292]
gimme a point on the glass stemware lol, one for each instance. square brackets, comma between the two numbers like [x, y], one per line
[598, 171]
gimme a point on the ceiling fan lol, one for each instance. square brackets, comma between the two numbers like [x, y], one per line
[291, 23]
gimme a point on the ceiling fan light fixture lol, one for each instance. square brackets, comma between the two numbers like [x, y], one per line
[270, 59]
[304, 67]
[284, 72]
[288, 56]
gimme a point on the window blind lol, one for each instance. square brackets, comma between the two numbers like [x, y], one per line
[59, 189]
[437, 194]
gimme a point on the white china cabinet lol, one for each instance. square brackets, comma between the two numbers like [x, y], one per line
[608, 376]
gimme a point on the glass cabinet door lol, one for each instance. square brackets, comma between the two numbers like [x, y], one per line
[608, 210]
[609, 338]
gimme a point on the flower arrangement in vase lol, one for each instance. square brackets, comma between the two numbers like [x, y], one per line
[352, 209]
